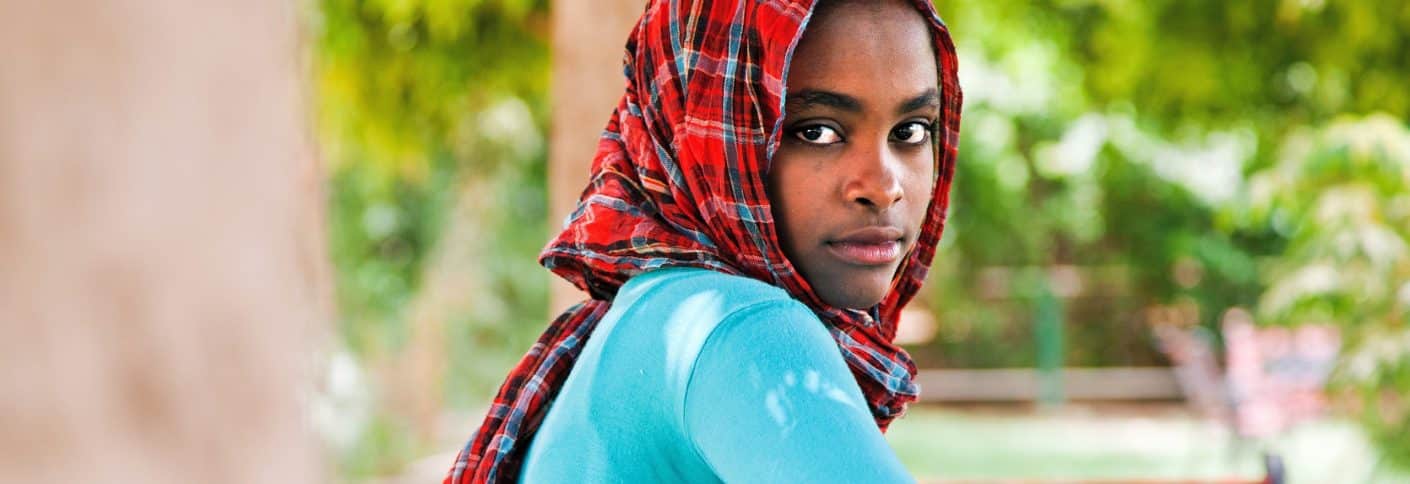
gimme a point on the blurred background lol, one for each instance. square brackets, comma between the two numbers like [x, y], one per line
[1180, 231]
[1179, 242]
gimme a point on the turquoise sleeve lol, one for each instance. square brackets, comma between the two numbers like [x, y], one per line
[770, 399]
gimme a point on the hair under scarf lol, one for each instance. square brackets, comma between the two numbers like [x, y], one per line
[678, 180]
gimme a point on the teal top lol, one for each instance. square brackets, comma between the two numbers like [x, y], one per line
[698, 376]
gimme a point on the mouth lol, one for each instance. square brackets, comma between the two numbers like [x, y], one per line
[870, 246]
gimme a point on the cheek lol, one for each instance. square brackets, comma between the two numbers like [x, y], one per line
[786, 197]
[920, 186]
[792, 181]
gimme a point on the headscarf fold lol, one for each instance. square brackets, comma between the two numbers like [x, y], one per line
[678, 180]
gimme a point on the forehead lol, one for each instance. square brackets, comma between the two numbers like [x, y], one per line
[860, 47]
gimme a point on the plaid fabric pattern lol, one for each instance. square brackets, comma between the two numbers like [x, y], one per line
[678, 180]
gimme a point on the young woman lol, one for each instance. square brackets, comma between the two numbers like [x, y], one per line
[766, 198]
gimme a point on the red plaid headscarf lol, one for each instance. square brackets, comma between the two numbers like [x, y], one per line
[678, 180]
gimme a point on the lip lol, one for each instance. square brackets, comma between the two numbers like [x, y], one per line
[869, 246]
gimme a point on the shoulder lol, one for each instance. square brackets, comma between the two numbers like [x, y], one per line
[726, 320]
[705, 302]
[685, 307]
[686, 315]
[698, 300]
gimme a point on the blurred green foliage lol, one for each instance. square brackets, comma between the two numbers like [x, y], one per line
[414, 98]
[1185, 157]
[1188, 157]
[1105, 133]
[431, 117]
[1341, 195]
[401, 81]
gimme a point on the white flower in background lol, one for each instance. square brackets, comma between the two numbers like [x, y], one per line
[341, 408]
[1210, 167]
[1021, 82]
[1076, 151]
[510, 123]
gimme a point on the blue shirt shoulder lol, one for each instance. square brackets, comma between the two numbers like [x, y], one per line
[698, 376]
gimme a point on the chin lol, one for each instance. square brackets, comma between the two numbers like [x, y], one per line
[857, 293]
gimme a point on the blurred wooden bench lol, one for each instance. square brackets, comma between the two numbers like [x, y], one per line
[1024, 384]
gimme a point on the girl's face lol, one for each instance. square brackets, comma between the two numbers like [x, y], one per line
[852, 176]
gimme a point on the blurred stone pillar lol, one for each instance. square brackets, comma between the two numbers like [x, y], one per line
[163, 281]
[588, 41]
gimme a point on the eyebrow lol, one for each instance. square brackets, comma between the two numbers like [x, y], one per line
[929, 98]
[813, 97]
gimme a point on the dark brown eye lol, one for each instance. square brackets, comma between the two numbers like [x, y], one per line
[914, 132]
[817, 134]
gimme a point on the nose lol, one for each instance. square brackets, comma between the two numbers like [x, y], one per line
[874, 182]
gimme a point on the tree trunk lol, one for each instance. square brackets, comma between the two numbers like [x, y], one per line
[163, 281]
[587, 82]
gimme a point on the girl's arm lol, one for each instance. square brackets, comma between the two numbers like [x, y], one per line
[771, 400]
